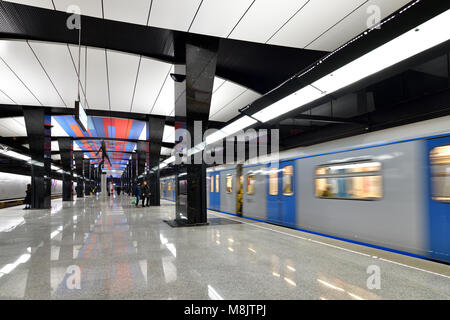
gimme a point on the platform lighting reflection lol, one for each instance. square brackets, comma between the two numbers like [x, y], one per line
[291, 268]
[276, 274]
[11, 266]
[329, 285]
[212, 294]
[354, 296]
[289, 281]
[252, 250]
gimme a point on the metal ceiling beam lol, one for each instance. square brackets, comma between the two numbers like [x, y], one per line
[325, 119]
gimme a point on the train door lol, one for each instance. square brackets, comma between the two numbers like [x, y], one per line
[214, 191]
[438, 159]
[281, 193]
[239, 190]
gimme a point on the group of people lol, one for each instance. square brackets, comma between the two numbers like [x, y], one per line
[142, 191]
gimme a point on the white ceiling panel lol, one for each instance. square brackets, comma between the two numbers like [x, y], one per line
[55, 146]
[218, 82]
[20, 58]
[12, 128]
[231, 109]
[91, 8]
[135, 11]
[316, 17]
[57, 62]
[173, 14]
[75, 54]
[15, 89]
[354, 24]
[218, 18]
[122, 71]
[169, 134]
[264, 18]
[224, 95]
[4, 99]
[56, 157]
[165, 102]
[47, 4]
[151, 76]
[57, 130]
[166, 151]
[97, 85]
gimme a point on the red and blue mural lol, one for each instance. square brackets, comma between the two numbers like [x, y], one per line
[104, 127]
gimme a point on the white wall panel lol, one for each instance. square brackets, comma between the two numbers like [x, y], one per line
[151, 76]
[20, 58]
[91, 8]
[315, 18]
[135, 11]
[264, 18]
[122, 70]
[217, 18]
[173, 14]
[57, 62]
[354, 24]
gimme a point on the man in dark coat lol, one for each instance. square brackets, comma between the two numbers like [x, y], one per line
[145, 194]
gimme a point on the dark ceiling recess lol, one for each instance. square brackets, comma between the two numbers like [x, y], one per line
[239, 61]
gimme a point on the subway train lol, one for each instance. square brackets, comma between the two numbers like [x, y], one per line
[13, 186]
[371, 189]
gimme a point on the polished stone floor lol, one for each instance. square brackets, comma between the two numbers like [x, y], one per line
[93, 249]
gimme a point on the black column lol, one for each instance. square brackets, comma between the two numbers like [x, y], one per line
[201, 58]
[38, 126]
[87, 176]
[141, 149]
[66, 152]
[133, 163]
[79, 170]
[155, 128]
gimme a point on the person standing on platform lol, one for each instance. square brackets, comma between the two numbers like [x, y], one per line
[145, 194]
[137, 192]
[28, 197]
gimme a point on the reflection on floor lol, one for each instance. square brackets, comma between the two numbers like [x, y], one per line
[93, 249]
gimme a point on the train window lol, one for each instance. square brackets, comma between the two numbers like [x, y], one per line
[212, 183]
[229, 183]
[288, 173]
[273, 181]
[250, 183]
[357, 180]
[217, 183]
[440, 167]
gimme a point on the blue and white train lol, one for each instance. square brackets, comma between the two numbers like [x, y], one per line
[367, 189]
[371, 189]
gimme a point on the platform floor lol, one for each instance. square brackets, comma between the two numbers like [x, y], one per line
[93, 249]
